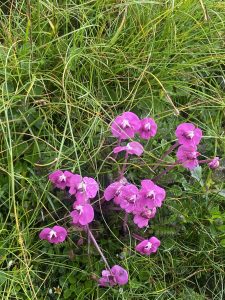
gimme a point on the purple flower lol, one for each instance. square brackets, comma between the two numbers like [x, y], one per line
[125, 126]
[188, 134]
[131, 148]
[83, 188]
[148, 128]
[114, 189]
[82, 214]
[60, 179]
[187, 156]
[153, 194]
[215, 163]
[128, 197]
[116, 275]
[149, 246]
[54, 235]
[143, 213]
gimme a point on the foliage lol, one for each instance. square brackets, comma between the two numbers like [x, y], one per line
[67, 69]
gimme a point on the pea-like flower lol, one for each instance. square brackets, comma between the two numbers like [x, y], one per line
[149, 246]
[83, 188]
[128, 197]
[148, 128]
[131, 148]
[82, 214]
[114, 189]
[143, 213]
[54, 235]
[153, 194]
[125, 126]
[116, 275]
[215, 163]
[188, 134]
[60, 179]
[188, 156]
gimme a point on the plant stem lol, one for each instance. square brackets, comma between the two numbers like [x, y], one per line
[174, 146]
[125, 219]
[97, 246]
[138, 237]
[164, 172]
[124, 166]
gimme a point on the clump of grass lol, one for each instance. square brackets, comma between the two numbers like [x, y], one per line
[67, 69]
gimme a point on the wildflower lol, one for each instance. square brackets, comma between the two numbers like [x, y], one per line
[60, 179]
[187, 156]
[148, 128]
[83, 188]
[82, 214]
[125, 126]
[116, 275]
[128, 197]
[131, 148]
[149, 246]
[114, 189]
[143, 213]
[188, 134]
[152, 193]
[54, 235]
[215, 163]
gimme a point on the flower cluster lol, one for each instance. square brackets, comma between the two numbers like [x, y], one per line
[141, 202]
[187, 154]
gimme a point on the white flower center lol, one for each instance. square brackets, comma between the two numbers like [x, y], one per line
[151, 194]
[147, 126]
[52, 234]
[148, 246]
[132, 199]
[62, 178]
[82, 187]
[125, 124]
[79, 208]
[129, 146]
[190, 134]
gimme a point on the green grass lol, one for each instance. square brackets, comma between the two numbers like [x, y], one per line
[67, 69]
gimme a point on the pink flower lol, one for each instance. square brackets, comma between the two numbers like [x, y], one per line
[114, 189]
[128, 197]
[116, 275]
[131, 148]
[125, 126]
[187, 156]
[148, 128]
[215, 163]
[60, 179]
[82, 214]
[143, 213]
[54, 235]
[152, 193]
[188, 135]
[83, 188]
[149, 246]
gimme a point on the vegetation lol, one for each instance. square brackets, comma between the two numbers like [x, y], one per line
[68, 67]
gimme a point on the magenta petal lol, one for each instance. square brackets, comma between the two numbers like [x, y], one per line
[92, 187]
[155, 243]
[110, 191]
[140, 247]
[119, 149]
[140, 221]
[75, 216]
[120, 274]
[148, 128]
[44, 233]
[87, 216]
[135, 148]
